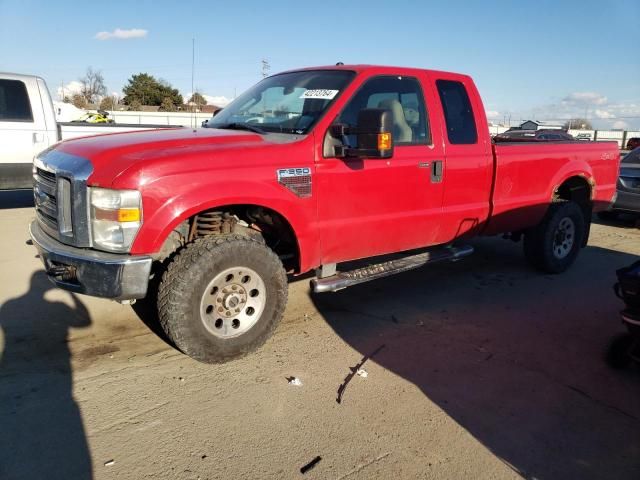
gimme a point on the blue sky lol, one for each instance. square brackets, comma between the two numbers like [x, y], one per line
[542, 59]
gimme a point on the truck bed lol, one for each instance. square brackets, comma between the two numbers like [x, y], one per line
[527, 174]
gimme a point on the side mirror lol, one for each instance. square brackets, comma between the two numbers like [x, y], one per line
[373, 132]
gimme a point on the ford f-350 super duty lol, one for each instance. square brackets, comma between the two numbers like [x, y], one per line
[306, 170]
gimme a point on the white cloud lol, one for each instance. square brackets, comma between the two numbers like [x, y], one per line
[585, 98]
[621, 125]
[492, 114]
[604, 114]
[69, 89]
[220, 100]
[217, 100]
[120, 34]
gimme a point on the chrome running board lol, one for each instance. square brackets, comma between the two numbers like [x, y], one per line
[343, 280]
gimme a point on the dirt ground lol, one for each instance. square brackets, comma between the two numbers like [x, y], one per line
[488, 370]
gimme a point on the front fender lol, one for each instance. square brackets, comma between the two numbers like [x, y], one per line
[169, 201]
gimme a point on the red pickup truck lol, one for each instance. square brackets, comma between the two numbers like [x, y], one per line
[307, 169]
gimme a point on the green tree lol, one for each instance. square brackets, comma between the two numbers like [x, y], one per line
[167, 105]
[145, 89]
[578, 123]
[198, 99]
[78, 100]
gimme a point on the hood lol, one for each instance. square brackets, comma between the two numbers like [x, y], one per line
[113, 153]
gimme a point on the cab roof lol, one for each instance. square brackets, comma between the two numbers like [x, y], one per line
[380, 69]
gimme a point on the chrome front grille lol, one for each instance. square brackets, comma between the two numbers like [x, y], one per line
[60, 194]
[45, 199]
[46, 175]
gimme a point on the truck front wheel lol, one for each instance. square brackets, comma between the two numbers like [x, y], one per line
[553, 245]
[222, 297]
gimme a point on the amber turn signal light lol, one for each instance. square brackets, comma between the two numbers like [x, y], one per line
[119, 215]
[384, 141]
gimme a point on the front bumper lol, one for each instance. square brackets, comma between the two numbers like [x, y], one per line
[100, 274]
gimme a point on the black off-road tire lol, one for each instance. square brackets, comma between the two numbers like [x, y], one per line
[539, 241]
[189, 274]
[147, 308]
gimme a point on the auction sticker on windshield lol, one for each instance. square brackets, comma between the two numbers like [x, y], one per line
[320, 93]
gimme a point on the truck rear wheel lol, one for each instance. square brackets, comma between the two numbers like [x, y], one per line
[553, 245]
[222, 297]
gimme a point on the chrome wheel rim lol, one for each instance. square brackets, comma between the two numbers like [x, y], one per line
[233, 302]
[564, 238]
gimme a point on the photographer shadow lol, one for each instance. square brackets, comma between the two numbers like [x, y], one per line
[42, 434]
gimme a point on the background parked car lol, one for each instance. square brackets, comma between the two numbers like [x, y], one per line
[628, 200]
[583, 136]
[543, 135]
[633, 142]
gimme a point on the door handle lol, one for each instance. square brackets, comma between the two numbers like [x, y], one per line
[436, 171]
[38, 137]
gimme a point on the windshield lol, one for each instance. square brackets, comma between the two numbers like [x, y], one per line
[286, 103]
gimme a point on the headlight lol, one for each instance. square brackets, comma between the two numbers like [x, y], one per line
[116, 216]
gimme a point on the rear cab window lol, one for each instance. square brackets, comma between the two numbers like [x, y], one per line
[458, 113]
[14, 102]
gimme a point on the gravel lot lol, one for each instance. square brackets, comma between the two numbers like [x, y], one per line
[488, 370]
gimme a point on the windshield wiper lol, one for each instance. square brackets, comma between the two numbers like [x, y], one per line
[240, 126]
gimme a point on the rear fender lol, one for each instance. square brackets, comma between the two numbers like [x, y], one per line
[575, 168]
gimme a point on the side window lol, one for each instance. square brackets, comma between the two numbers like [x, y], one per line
[458, 114]
[403, 97]
[14, 102]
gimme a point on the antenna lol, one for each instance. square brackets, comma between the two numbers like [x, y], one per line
[265, 68]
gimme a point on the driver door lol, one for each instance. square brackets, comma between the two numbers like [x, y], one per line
[369, 206]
